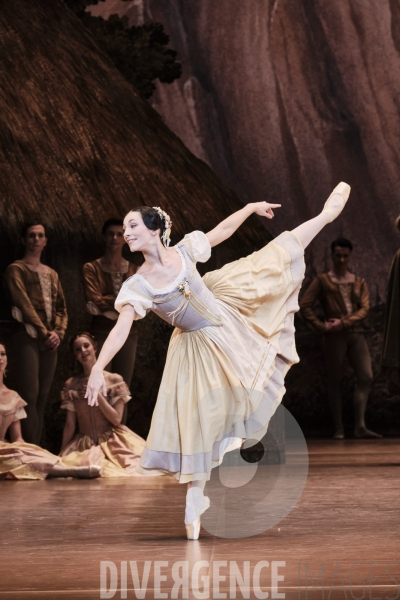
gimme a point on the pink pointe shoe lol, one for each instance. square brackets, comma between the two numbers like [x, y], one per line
[334, 206]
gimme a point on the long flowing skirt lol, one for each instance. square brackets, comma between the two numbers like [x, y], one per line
[21, 460]
[117, 452]
[221, 385]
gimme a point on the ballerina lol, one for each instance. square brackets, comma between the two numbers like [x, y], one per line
[18, 459]
[102, 439]
[234, 331]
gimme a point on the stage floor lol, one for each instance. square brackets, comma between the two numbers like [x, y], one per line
[55, 533]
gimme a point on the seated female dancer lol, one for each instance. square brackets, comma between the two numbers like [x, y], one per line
[101, 440]
[18, 459]
[232, 346]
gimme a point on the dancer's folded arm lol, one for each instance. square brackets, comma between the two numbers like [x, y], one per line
[114, 342]
[228, 226]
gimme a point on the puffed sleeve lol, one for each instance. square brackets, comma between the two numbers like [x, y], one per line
[20, 414]
[131, 293]
[92, 288]
[118, 391]
[310, 297]
[199, 246]
[67, 402]
[14, 282]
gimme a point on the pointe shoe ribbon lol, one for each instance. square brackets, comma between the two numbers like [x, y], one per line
[334, 207]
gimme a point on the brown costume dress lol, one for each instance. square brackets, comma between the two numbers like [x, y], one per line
[21, 460]
[116, 449]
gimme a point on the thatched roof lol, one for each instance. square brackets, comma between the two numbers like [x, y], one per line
[78, 144]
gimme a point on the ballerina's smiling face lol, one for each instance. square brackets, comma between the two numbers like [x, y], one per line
[137, 235]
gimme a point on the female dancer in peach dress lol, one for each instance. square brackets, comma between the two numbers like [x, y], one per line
[232, 346]
[18, 459]
[101, 440]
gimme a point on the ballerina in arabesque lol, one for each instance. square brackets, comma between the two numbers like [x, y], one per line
[233, 331]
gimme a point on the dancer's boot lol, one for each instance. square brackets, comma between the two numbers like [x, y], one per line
[84, 472]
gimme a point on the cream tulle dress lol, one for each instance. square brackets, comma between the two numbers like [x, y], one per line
[228, 355]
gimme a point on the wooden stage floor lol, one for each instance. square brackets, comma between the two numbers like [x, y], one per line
[55, 533]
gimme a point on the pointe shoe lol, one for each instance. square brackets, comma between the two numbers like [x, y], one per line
[332, 207]
[193, 530]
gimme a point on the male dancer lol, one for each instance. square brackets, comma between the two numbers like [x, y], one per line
[345, 301]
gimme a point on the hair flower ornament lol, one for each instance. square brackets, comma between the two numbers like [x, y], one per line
[167, 226]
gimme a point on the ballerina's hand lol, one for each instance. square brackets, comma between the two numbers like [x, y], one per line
[96, 384]
[264, 209]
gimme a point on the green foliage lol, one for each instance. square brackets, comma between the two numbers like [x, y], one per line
[141, 54]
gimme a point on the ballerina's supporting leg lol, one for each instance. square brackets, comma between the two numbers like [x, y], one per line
[195, 500]
[196, 504]
[307, 231]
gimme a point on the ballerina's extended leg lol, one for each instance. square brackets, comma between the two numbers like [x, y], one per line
[307, 231]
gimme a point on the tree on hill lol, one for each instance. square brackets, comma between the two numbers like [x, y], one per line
[141, 53]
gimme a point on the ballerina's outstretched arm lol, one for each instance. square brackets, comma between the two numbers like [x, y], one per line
[228, 226]
[114, 342]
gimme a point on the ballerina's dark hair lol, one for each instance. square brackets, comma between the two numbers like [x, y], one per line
[151, 218]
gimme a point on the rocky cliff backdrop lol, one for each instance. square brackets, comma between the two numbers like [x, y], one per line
[283, 99]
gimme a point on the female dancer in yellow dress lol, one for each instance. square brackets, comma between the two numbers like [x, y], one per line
[18, 459]
[234, 331]
[101, 440]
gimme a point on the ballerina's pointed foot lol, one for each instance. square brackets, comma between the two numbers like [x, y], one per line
[193, 528]
[337, 200]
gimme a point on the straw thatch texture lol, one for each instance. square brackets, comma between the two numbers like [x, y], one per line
[78, 144]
